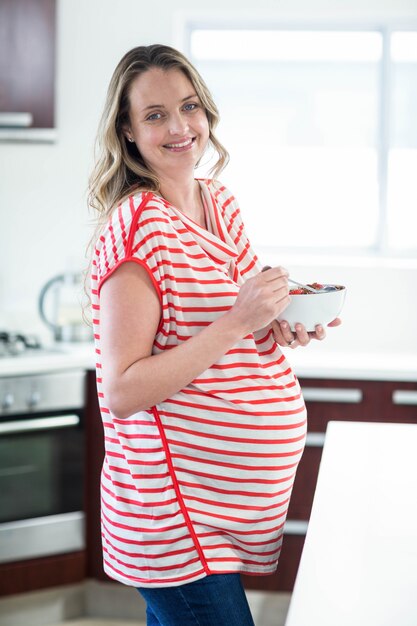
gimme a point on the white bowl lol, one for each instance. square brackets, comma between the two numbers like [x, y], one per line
[314, 308]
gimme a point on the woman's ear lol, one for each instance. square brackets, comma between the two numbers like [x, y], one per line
[128, 133]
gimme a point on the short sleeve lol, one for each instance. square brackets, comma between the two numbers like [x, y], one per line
[121, 240]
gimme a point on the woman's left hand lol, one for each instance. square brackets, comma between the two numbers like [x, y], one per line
[284, 336]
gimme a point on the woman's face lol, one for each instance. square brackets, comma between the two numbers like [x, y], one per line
[167, 121]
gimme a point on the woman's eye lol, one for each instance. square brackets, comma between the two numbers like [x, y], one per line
[153, 116]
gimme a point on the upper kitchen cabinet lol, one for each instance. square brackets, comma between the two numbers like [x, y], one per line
[27, 70]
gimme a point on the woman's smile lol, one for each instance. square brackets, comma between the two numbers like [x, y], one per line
[181, 146]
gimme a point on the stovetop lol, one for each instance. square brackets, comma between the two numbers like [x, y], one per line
[27, 354]
[15, 344]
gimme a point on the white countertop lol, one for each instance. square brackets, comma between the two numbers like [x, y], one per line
[60, 356]
[313, 362]
[358, 564]
[310, 362]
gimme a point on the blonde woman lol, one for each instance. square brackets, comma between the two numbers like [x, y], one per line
[204, 419]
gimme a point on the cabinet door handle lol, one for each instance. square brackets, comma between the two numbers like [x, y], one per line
[315, 440]
[404, 396]
[43, 423]
[324, 394]
[295, 527]
[16, 120]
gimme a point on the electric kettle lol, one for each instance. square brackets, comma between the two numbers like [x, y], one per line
[61, 309]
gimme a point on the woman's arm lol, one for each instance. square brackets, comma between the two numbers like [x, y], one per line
[130, 310]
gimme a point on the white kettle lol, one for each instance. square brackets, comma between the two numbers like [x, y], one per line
[61, 309]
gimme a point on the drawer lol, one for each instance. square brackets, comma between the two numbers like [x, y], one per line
[399, 402]
[350, 400]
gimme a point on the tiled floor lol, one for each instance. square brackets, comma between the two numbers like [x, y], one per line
[267, 610]
[106, 604]
[100, 622]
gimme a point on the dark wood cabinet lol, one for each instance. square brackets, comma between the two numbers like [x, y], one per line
[94, 462]
[34, 574]
[27, 60]
[358, 400]
[305, 484]
[328, 400]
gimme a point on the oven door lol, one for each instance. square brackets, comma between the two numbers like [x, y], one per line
[41, 484]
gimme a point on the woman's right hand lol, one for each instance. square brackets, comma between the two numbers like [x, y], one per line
[261, 299]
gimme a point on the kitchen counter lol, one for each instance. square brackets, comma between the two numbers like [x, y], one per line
[58, 357]
[311, 362]
[359, 556]
[316, 362]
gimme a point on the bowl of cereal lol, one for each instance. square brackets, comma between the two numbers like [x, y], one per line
[311, 308]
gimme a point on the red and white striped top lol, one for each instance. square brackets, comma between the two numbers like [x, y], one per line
[200, 483]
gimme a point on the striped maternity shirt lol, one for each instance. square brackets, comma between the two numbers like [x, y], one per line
[200, 483]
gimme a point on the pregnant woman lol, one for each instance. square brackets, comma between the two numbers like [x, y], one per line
[204, 419]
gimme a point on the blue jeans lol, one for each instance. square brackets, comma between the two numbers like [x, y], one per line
[216, 600]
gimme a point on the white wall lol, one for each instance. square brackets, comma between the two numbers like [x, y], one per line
[44, 223]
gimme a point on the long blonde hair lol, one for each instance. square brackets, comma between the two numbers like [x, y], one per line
[119, 167]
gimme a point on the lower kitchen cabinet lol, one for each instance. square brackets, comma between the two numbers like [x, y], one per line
[358, 400]
[94, 462]
[34, 574]
[305, 482]
[328, 400]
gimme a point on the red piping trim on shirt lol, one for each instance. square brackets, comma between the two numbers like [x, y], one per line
[178, 492]
[135, 220]
[128, 257]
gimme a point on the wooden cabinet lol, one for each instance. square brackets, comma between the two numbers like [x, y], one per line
[34, 574]
[326, 400]
[94, 462]
[369, 401]
[27, 65]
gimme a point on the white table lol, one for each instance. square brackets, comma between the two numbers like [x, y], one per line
[359, 563]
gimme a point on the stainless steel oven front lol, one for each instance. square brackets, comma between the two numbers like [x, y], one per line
[41, 464]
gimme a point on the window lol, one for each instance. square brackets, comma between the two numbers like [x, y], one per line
[322, 133]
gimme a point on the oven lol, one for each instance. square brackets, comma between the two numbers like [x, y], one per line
[41, 464]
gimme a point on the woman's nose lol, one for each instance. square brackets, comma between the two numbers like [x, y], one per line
[178, 124]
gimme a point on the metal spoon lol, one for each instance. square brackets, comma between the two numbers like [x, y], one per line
[294, 282]
[325, 289]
